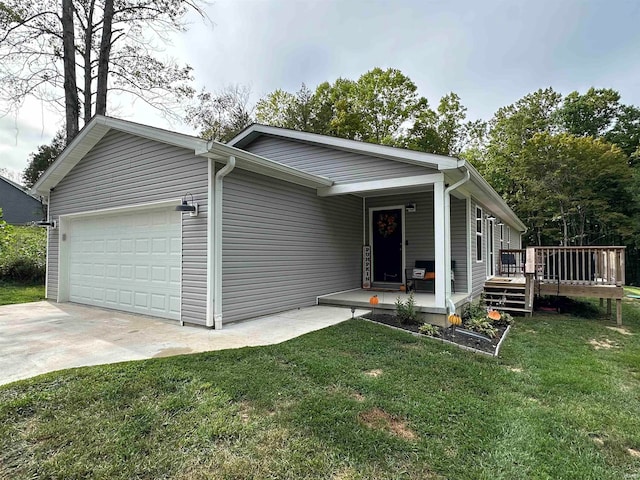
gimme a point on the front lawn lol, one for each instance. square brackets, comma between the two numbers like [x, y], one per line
[357, 400]
[15, 292]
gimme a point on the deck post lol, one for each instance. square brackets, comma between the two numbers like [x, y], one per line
[608, 306]
[619, 311]
[601, 302]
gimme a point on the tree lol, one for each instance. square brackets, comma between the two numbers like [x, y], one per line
[45, 156]
[221, 116]
[374, 108]
[109, 43]
[591, 114]
[443, 131]
[538, 152]
[626, 131]
[386, 99]
[589, 208]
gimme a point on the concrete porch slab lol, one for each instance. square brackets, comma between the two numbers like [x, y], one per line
[425, 302]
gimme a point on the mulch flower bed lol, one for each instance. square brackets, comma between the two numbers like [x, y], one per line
[460, 336]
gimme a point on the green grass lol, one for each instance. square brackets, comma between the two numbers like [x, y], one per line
[14, 292]
[551, 407]
[632, 290]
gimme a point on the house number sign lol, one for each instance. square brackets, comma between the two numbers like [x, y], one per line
[366, 266]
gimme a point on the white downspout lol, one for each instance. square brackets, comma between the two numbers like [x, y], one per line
[447, 243]
[217, 242]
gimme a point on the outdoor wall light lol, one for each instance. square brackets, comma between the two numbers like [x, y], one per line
[44, 223]
[188, 206]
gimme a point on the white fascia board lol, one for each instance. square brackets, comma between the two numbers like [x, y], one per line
[380, 185]
[441, 162]
[153, 133]
[264, 166]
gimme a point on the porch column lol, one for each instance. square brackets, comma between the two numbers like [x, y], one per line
[439, 232]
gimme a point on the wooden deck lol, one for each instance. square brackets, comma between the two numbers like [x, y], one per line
[596, 272]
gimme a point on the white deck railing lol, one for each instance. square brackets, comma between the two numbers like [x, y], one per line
[576, 265]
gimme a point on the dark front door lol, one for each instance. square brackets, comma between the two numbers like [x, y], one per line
[386, 239]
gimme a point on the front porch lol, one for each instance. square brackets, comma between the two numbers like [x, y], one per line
[425, 302]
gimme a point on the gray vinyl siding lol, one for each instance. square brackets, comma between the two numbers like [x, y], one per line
[18, 208]
[459, 249]
[418, 228]
[338, 165]
[124, 170]
[479, 269]
[283, 245]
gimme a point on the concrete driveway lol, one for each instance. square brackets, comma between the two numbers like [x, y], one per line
[42, 337]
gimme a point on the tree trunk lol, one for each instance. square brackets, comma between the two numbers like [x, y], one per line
[88, 45]
[565, 227]
[103, 59]
[72, 107]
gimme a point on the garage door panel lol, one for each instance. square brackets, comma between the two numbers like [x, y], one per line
[129, 262]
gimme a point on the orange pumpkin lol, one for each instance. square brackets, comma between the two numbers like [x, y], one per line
[403, 288]
[455, 319]
[374, 300]
[494, 315]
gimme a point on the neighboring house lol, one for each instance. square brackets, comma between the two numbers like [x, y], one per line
[282, 219]
[18, 207]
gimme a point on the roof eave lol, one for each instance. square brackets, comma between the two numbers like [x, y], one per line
[440, 162]
[256, 163]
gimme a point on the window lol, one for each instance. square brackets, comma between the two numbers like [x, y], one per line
[508, 237]
[478, 234]
[501, 236]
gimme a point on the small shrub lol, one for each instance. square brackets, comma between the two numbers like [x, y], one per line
[481, 325]
[428, 329]
[505, 319]
[406, 310]
[473, 310]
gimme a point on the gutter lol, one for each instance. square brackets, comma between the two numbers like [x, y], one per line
[447, 243]
[216, 321]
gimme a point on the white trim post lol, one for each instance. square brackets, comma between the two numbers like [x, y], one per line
[440, 236]
[211, 170]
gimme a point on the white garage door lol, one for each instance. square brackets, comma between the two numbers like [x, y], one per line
[128, 261]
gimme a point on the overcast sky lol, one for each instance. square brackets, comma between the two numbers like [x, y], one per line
[489, 52]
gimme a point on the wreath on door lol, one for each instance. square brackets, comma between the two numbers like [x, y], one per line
[386, 224]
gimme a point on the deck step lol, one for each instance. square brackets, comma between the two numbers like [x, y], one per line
[506, 296]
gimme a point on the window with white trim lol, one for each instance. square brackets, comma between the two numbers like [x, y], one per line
[479, 221]
[501, 236]
[508, 236]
